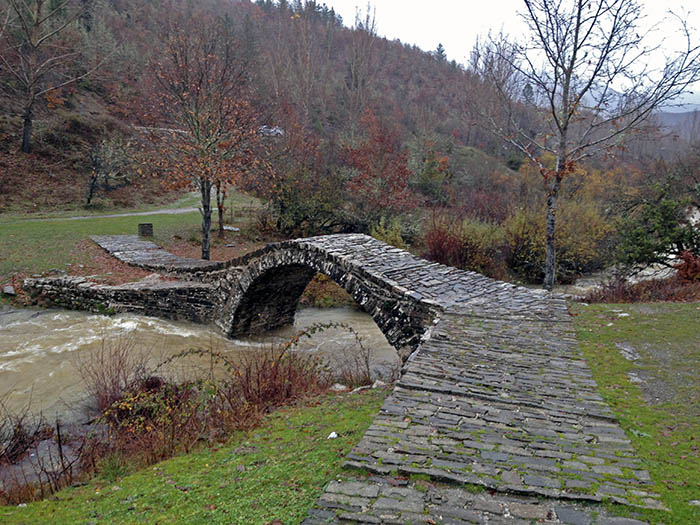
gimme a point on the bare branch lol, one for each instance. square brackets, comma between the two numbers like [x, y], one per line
[587, 61]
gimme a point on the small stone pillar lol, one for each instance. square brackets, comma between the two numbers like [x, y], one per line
[146, 230]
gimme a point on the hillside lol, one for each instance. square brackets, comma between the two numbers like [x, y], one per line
[374, 136]
[305, 70]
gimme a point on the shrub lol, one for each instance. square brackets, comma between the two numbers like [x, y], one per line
[19, 433]
[324, 292]
[619, 290]
[466, 243]
[35, 459]
[162, 418]
[440, 241]
[114, 368]
[389, 233]
[524, 237]
[111, 166]
[583, 238]
[581, 241]
[656, 230]
[305, 203]
[689, 268]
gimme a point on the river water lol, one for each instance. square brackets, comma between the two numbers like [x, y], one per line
[41, 351]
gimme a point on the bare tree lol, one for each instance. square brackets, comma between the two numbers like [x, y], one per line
[39, 48]
[594, 80]
[361, 63]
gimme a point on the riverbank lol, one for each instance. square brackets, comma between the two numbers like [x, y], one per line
[643, 357]
[274, 472]
[41, 350]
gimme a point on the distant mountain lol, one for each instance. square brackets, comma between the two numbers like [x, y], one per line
[685, 108]
[685, 124]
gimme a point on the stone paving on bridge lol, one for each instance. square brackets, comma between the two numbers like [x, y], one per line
[496, 417]
[132, 249]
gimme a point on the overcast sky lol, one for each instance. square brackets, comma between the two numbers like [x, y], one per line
[457, 23]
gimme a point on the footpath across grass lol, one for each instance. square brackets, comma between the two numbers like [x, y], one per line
[190, 199]
[274, 472]
[646, 361]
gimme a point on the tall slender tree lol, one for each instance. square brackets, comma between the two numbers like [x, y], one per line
[588, 61]
[440, 54]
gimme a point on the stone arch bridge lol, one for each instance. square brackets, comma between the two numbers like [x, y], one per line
[494, 392]
[403, 293]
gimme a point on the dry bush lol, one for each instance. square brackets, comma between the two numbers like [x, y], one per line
[18, 433]
[36, 459]
[689, 268]
[619, 290]
[160, 419]
[466, 243]
[114, 368]
[354, 368]
[276, 376]
[582, 238]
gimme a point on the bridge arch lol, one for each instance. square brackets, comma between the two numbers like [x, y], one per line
[261, 291]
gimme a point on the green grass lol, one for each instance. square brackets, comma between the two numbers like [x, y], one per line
[662, 418]
[275, 472]
[35, 246]
[38, 246]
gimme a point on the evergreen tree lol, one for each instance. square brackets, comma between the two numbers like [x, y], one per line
[440, 53]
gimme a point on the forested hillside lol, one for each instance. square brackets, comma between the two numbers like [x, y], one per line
[335, 128]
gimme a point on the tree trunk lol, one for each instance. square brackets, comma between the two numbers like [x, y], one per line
[205, 188]
[27, 131]
[220, 198]
[91, 188]
[550, 262]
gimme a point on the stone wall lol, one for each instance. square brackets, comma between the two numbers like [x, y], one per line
[175, 300]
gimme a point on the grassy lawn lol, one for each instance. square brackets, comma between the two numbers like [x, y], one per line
[274, 472]
[38, 246]
[35, 246]
[655, 391]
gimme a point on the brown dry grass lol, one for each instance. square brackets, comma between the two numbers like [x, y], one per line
[103, 267]
[219, 250]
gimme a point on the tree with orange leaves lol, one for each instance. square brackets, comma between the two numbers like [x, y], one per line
[207, 127]
[380, 185]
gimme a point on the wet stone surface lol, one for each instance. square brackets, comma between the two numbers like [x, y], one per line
[496, 410]
[386, 499]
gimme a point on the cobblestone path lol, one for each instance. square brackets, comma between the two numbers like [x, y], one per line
[504, 409]
[134, 250]
[495, 419]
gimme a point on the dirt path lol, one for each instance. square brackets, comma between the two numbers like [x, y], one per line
[167, 211]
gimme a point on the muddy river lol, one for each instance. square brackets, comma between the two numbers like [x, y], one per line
[42, 351]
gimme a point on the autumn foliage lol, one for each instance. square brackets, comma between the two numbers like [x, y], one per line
[380, 183]
[204, 126]
[689, 267]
